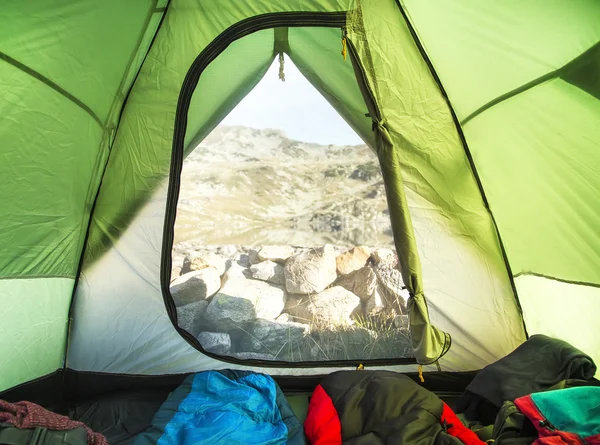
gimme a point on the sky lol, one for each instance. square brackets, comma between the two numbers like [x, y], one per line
[293, 106]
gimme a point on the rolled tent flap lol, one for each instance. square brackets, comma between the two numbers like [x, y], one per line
[428, 342]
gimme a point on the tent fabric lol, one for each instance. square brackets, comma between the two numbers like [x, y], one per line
[529, 110]
[64, 70]
[484, 117]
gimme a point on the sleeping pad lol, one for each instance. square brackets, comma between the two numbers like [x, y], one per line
[224, 407]
[381, 407]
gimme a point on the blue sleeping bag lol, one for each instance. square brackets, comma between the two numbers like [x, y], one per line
[224, 407]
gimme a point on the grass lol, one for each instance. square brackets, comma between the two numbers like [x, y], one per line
[369, 338]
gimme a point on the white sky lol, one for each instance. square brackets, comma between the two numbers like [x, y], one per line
[293, 106]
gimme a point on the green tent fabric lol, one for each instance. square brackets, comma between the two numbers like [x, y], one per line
[485, 118]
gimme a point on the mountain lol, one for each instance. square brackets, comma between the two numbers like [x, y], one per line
[253, 187]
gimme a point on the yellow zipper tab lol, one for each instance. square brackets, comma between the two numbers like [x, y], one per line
[344, 52]
[421, 378]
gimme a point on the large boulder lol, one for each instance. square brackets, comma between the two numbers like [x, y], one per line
[311, 272]
[333, 307]
[392, 289]
[268, 271]
[374, 304]
[352, 260]
[191, 316]
[385, 257]
[241, 300]
[278, 254]
[272, 336]
[195, 286]
[228, 312]
[215, 342]
[199, 261]
[234, 270]
[361, 282]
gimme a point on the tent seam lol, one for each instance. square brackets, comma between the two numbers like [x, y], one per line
[561, 280]
[573, 64]
[35, 277]
[45, 80]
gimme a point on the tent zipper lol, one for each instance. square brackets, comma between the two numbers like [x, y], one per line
[361, 77]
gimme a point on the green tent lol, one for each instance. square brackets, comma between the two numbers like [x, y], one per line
[485, 118]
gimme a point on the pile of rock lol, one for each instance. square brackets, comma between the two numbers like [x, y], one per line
[281, 302]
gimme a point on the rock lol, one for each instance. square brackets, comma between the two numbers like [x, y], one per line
[253, 356]
[391, 287]
[333, 307]
[361, 282]
[234, 270]
[228, 251]
[253, 256]
[374, 304]
[352, 260]
[227, 312]
[175, 272]
[202, 261]
[366, 172]
[278, 254]
[272, 336]
[196, 285]
[385, 258]
[311, 272]
[215, 342]
[243, 259]
[284, 318]
[268, 271]
[191, 316]
[241, 300]
[176, 266]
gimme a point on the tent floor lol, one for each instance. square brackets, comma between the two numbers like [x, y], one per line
[121, 416]
[122, 406]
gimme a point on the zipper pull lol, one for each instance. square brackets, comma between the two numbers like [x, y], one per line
[344, 51]
[421, 378]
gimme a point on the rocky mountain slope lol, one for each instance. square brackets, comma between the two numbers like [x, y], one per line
[256, 187]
